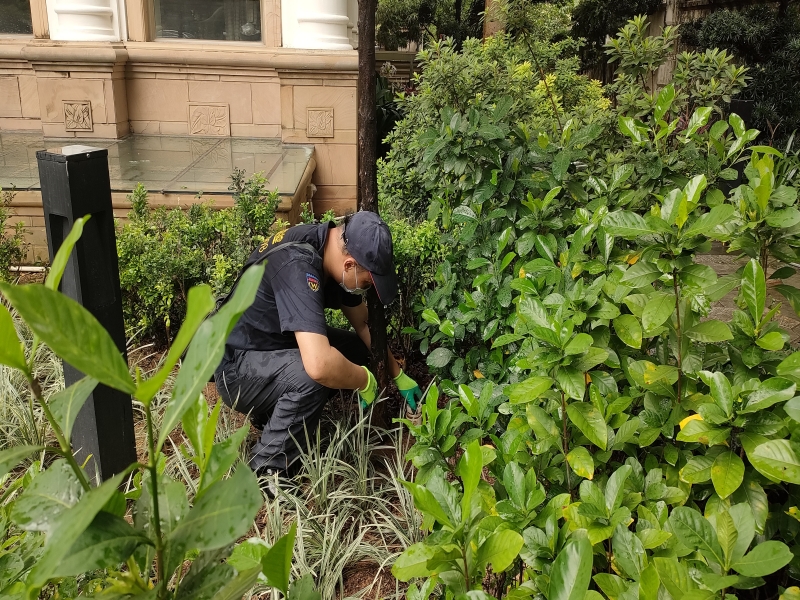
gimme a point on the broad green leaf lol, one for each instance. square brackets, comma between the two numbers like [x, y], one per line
[694, 188]
[653, 538]
[590, 422]
[426, 502]
[72, 332]
[561, 164]
[772, 341]
[49, 494]
[738, 125]
[694, 531]
[784, 218]
[578, 345]
[107, 542]
[675, 576]
[68, 527]
[238, 587]
[571, 571]
[769, 392]
[221, 458]
[727, 535]
[742, 517]
[641, 274]
[615, 488]
[500, 549]
[65, 404]
[658, 309]
[440, 358]
[11, 457]
[790, 367]
[11, 351]
[697, 469]
[764, 559]
[698, 119]
[629, 330]
[302, 589]
[581, 462]
[720, 390]
[413, 562]
[206, 349]
[778, 459]
[792, 295]
[754, 289]
[62, 256]
[469, 469]
[626, 224]
[199, 303]
[528, 390]
[572, 382]
[727, 473]
[707, 222]
[709, 332]
[215, 521]
[664, 101]
[277, 563]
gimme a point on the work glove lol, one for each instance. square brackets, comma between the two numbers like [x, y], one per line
[370, 392]
[408, 389]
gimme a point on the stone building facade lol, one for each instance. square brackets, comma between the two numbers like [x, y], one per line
[106, 69]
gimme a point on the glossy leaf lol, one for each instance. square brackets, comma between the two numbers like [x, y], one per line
[572, 382]
[199, 303]
[66, 404]
[62, 256]
[709, 332]
[764, 559]
[72, 332]
[626, 224]
[11, 352]
[629, 330]
[51, 493]
[500, 549]
[658, 309]
[754, 289]
[528, 390]
[69, 526]
[720, 390]
[572, 571]
[695, 532]
[277, 563]
[581, 462]
[206, 349]
[727, 473]
[590, 422]
[779, 459]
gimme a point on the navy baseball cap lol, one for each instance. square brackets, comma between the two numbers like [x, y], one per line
[369, 241]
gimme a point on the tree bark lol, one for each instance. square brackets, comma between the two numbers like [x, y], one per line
[368, 185]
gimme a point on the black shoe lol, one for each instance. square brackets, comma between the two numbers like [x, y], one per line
[270, 481]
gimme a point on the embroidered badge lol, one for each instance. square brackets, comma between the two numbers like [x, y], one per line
[275, 239]
[313, 282]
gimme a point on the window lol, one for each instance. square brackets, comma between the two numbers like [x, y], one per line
[232, 20]
[15, 17]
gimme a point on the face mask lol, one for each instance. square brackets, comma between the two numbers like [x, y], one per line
[357, 290]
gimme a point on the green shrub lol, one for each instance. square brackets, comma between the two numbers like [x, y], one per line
[56, 526]
[12, 244]
[767, 40]
[611, 435]
[164, 252]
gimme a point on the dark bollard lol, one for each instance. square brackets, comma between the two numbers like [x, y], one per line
[75, 183]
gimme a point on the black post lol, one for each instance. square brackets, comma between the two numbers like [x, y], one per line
[75, 183]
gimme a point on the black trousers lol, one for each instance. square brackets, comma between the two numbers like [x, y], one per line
[273, 388]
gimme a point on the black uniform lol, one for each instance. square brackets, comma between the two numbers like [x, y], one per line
[261, 373]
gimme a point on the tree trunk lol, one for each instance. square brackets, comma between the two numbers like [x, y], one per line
[368, 184]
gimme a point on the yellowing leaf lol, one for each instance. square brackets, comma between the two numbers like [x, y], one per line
[478, 374]
[632, 259]
[694, 417]
[522, 273]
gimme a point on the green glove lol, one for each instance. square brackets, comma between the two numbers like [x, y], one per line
[408, 389]
[370, 392]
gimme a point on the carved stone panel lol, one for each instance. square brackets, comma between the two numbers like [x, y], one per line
[78, 115]
[319, 122]
[209, 119]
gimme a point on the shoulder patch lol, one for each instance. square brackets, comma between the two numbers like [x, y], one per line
[313, 282]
